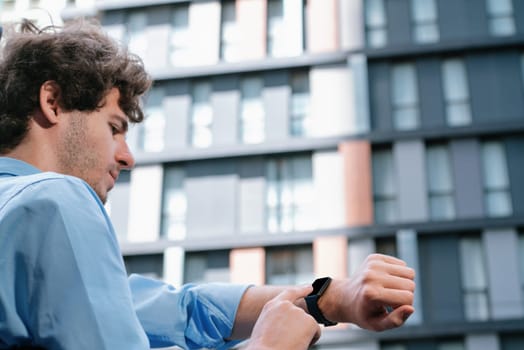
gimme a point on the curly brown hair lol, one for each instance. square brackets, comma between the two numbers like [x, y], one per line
[80, 58]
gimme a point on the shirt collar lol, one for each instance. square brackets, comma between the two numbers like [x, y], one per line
[15, 167]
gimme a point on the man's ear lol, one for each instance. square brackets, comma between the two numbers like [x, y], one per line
[49, 101]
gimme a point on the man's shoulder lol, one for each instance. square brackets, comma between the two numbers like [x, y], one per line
[47, 186]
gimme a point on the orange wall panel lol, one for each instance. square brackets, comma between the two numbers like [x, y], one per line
[322, 24]
[358, 182]
[251, 20]
[330, 256]
[248, 265]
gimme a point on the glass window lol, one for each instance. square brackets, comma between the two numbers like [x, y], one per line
[180, 41]
[521, 258]
[289, 265]
[151, 135]
[252, 114]
[425, 27]
[136, 33]
[289, 197]
[405, 97]
[276, 38]
[384, 187]
[201, 134]
[440, 182]
[474, 279]
[300, 123]
[174, 205]
[497, 197]
[386, 246]
[450, 345]
[501, 20]
[205, 267]
[150, 265]
[230, 49]
[376, 24]
[456, 92]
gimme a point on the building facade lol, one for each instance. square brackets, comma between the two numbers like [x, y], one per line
[288, 139]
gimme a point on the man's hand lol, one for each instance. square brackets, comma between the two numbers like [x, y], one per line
[283, 325]
[381, 283]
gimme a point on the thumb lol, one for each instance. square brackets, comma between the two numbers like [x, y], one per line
[397, 317]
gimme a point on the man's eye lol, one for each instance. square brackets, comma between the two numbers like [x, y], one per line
[114, 129]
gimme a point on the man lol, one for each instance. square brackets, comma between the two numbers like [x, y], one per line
[66, 98]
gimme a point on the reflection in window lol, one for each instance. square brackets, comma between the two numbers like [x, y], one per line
[230, 49]
[201, 134]
[180, 41]
[437, 345]
[376, 30]
[174, 205]
[151, 135]
[474, 279]
[300, 117]
[405, 97]
[440, 182]
[456, 92]
[136, 33]
[276, 38]
[521, 259]
[289, 198]
[150, 265]
[425, 27]
[384, 188]
[497, 197]
[252, 115]
[500, 15]
[386, 246]
[205, 267]
[289, 266]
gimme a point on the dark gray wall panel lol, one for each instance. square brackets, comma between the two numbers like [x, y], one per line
[113, 17]
[518, 11]
[462, 19]
[496, 91]
[398, 21]
[159, 15]
[149, 265]
[482, 81]
[225, 101]
[276, 98]
[211, 188]
[452, 15]
[441, 281]
[178, 107]
[509, 88]
[430, 92]
[380, 97]
[466, 167]
[515, 159]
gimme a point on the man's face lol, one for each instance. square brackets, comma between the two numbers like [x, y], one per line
[93, 145]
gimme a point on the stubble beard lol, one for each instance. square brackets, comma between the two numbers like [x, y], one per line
[75, 155]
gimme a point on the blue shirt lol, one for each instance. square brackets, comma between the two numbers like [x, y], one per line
[63, 284]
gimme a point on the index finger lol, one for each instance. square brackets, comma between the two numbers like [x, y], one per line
[294, 293]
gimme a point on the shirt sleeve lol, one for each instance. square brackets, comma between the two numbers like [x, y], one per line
[64, 285]
[192, 317]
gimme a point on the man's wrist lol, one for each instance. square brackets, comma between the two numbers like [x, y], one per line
[313, 306]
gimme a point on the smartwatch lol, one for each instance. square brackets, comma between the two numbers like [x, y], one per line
[319, 287]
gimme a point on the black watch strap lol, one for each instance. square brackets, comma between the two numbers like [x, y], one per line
[319, 287]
